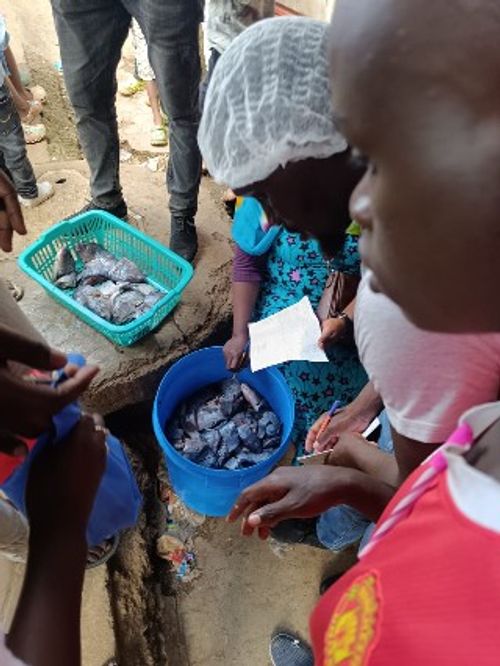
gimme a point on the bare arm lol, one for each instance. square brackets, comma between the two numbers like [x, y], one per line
[244, 295]
[59, 499]
[354, 451]
[46, 626]
[304, 492]
[247, 276]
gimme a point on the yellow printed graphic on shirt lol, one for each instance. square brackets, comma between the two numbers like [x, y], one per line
[352, 630]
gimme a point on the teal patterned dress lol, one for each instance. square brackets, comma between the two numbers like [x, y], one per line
[296, 268]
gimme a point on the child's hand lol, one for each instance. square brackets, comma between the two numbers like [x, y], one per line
[11, 218]
[234, 351]
[27, 408]
[331, 331]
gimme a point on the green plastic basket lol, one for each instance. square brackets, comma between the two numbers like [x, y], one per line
[165, 270]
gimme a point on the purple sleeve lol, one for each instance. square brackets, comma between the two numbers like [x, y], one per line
[247, 268]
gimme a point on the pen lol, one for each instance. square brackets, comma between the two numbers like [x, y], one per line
[326, 422]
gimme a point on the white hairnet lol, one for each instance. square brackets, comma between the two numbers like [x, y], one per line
[269, 102]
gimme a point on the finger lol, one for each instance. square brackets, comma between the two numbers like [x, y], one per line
[73, 387]
[17, 347]
[12, 445]
[271, 514]
[264, 533]
[242, 504]
[14, 213]
[55, 399]
[246, 528]
[326, 440]
[5, 236]
[250, 498]
[98, 420]
[71, 369]
[312, 435]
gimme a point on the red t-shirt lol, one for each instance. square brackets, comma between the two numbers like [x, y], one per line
[427, 594]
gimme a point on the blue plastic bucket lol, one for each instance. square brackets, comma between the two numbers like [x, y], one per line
[214, 491]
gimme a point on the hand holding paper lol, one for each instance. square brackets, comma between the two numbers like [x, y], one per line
[289, 335]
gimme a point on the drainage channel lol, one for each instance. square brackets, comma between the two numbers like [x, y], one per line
[142, 587]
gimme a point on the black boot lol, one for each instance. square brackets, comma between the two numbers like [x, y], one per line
[183, 237]
[120, 210]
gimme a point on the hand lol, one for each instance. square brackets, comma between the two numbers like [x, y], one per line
[347, 419]
[289, 492]
[64, 479]
[11, 218]
[234, 351]
[27, 408]
[331, 331]
[11, 445]
[343, 453]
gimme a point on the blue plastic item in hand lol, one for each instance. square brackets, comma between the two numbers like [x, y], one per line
[118, 499]
[250, 231]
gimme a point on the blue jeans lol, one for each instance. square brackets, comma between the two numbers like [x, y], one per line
[13, 156]
[91, 35]
[342, 525]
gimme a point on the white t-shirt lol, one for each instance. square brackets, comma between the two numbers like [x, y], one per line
[6, 656]
[426, 380]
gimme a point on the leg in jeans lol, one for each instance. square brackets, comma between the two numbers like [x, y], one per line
[214, 57]
[13, 153]
[342, 525]
[91, 35]
[171, 30]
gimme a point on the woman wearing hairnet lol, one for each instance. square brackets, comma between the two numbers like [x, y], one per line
[267, 131]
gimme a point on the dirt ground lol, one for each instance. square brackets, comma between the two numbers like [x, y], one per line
[243, 589]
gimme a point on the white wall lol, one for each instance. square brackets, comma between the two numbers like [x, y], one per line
[321, 9]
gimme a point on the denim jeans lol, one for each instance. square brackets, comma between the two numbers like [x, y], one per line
[13, 156]
[342, 525]
[91, 35]
[213, 60]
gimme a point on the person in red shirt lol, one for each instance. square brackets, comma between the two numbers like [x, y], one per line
[416, 94]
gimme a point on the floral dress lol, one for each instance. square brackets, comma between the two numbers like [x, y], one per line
[296, 268]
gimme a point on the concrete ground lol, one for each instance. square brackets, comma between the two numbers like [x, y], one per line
[244, 590]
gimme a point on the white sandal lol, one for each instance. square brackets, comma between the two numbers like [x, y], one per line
[34, 112]
[158, 136]
[34, 133]
[38, 94]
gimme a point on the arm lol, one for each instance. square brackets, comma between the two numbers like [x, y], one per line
[354, 451]
[244, 296]
[46, 626]
[305, 492]
[247, 276]
[15, 77]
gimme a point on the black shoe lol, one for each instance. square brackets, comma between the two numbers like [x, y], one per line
[120, 210]
[288, 650]
[183, 237]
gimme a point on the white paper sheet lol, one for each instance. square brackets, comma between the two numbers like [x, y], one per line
[289, 335]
